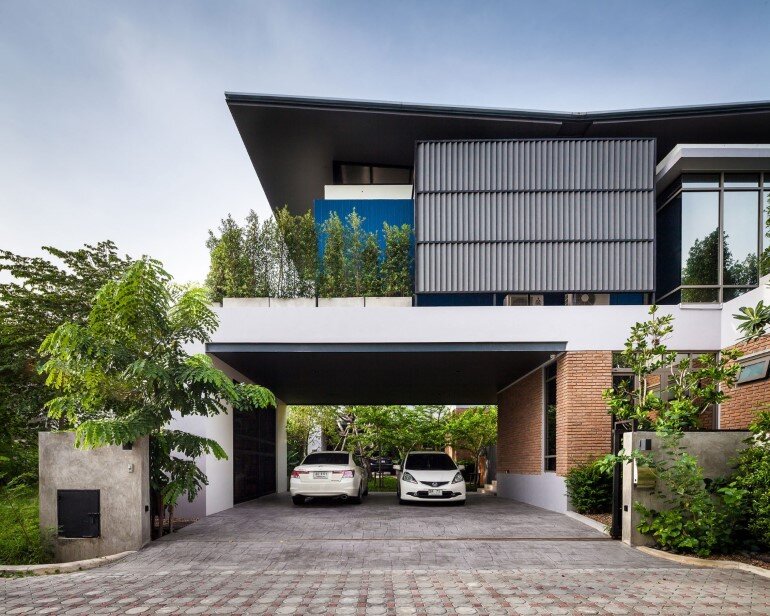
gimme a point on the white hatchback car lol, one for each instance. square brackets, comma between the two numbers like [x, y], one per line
[430, 476]
[329, 473]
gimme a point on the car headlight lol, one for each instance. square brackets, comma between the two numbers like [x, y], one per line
[458, 478]
[408, 477]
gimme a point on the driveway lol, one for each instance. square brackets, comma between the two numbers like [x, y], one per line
[492, 556]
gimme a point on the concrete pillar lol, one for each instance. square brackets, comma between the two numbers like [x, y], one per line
[219, 492]
[281, 451]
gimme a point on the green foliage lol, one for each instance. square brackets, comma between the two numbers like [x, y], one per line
[751, 483]
[371, 276]
[333, 277]
[301, 422]
[589, 487]
[691, 387]
[474, 430]
[21, 540]
[693, 520]
[276, 257]
[41, 294]
[383, 484]
[397, 265]
[669, 394]
[753, 322]
[122, 373]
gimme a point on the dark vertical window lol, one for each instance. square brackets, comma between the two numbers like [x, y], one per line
[549, 423]
[710, 230]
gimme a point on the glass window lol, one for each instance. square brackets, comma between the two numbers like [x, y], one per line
[355, 174]
[741, 180]
[700, 180]
[391, 175]
[764, 259]
[741, 221]
[699, 296]
[700, 238]
[327, 457]
[550, 418]
[731, 293]
[429, 462]
[669, 241]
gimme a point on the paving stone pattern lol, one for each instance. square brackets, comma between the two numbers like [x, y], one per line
[491, 557]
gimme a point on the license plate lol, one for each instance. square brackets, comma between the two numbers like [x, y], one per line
[320, 475]
[435, 492]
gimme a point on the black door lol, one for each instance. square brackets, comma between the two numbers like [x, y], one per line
[78, 513]
[253, 454]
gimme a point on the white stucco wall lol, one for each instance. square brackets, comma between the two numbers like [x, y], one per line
[546, 490]
[580, 327]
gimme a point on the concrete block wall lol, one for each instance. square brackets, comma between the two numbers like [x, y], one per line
[124, 493]
[738, 412]
[714, 451]
[583, 426]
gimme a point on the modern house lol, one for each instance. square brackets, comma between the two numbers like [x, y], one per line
[540, 238]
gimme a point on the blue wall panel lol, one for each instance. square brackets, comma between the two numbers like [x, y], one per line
[375, 212]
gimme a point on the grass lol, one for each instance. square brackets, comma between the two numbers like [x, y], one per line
[21, 542]
[389, 484]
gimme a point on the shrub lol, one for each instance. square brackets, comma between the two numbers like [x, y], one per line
[589, 488]
[752, 480]
[21, 541]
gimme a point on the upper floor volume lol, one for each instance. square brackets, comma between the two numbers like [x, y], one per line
[667, 205]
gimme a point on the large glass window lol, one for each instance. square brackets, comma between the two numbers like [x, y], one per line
[549, 462]
[709, 237]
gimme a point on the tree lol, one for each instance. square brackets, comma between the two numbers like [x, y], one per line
[669, 395]
[122, 373]
[229, 274]
[43, 293]
[702, 268]
[474, 430]
[333, 274]
[302, 422]
[397, 264]
[370, 266]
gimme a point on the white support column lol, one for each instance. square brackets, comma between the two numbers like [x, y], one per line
[219, 492]
[281, 467]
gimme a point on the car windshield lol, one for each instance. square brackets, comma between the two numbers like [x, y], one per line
[330, 457]
[429, 462]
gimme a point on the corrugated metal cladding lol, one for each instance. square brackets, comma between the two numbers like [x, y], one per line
[556, 215]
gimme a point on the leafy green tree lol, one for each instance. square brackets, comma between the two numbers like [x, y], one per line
[474, 430]
[301, 422]
[41, 294]
[397, 264]
[333, 275]
[122, 373]
[370, 266]
[690, 519]
[701, 268]
[354, 254]
[229, 273]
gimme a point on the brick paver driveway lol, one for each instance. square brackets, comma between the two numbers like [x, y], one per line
[491, 557]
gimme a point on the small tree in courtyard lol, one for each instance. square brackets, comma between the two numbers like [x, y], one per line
[123, 373]
[474, 430]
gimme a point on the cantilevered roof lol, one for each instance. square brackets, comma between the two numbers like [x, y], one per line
[293, 141]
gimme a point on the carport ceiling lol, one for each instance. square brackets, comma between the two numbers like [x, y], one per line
[385, 373]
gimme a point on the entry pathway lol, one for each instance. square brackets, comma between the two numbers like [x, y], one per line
[492, 556]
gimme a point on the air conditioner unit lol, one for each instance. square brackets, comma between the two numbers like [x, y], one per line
[587, 299]
[521, 299]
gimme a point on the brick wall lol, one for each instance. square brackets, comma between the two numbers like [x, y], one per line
[520, 427]
[738, 411]
[583, 426]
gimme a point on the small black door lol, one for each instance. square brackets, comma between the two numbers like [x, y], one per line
[78, 513]
[253, 454]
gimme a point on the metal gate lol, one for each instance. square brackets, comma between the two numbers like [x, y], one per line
[253, 454]
[619, 428]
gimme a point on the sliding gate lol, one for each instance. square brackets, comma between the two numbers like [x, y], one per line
[253, 454]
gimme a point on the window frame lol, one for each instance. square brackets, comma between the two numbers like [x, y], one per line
[546, 380]
[762, 190]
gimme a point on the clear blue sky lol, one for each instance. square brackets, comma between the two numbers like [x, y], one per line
[113, 122]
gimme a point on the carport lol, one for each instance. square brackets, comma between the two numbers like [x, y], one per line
[385, 373]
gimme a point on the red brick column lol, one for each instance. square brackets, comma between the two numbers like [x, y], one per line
[738, 411]
[583, 426]
[520, 426]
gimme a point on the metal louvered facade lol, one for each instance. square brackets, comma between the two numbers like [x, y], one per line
[558, 215]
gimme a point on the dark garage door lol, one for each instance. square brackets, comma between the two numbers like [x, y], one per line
[253, 454]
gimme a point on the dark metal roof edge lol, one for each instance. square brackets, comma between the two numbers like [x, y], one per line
[375, 347]
[308, 102]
